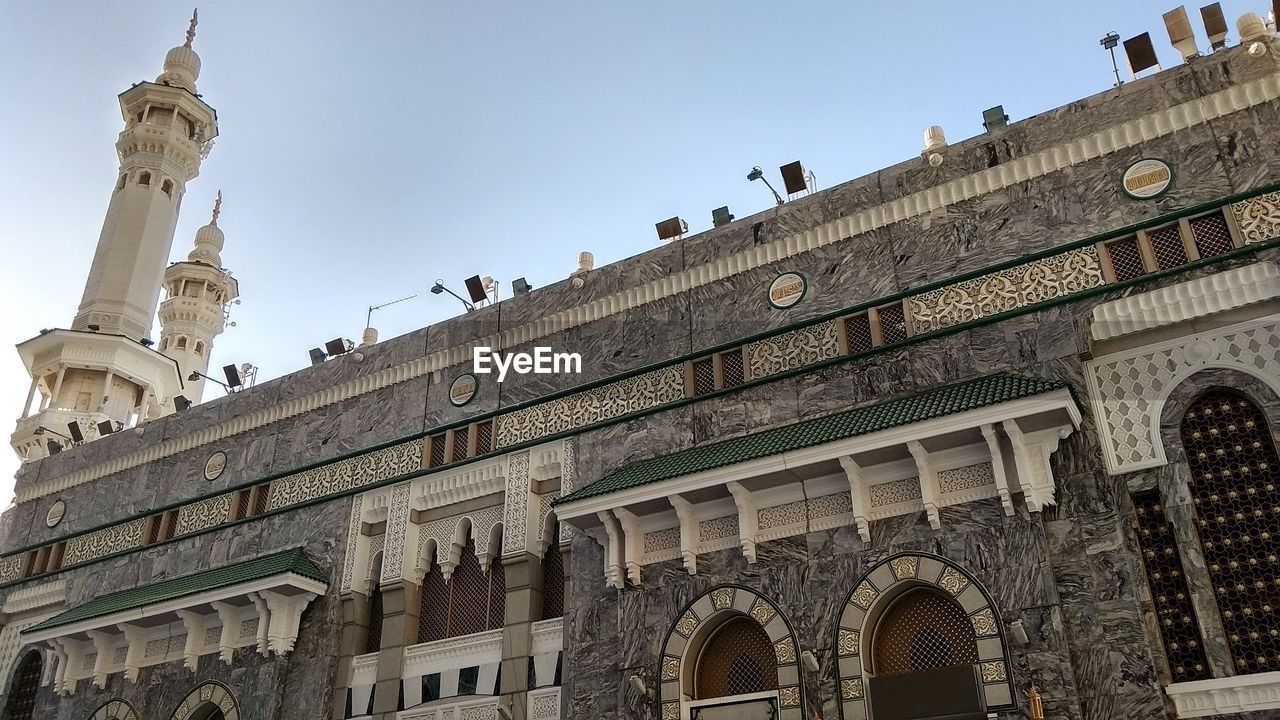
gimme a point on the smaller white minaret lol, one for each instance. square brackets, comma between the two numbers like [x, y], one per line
[195, 311]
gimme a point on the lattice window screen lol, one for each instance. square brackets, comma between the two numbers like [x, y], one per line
[893, 324]
[23, 688]
[433, 613]
[858, 330]
[922, 631]
[704, 376]
[731, 367]
[484, 437]
[1235, 485]
[1169, 591]
[1166, 245]
[1126, 258]
[1211, 235]
[553, 578]
[738, 659]
[460, 444]
[262, 494]
[436, 453]
[373, 641]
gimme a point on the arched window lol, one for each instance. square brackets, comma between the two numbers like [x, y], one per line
[182, 343]
[1235, 484]
[922, 630]
[144, 178]
[373, 641]
[199, 347]
[120, 183]
[736, 660]
[553, 578]
[167, 187]
[470, 601]
[23, 688]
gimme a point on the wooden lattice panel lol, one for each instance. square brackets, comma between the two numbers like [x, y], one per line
[1126, 258]
[923, 631]
[1234, 481]
[858, 330]
[893, 324]
[1183, 647]
[1166, 245]
[1211, 234]
[737, 660]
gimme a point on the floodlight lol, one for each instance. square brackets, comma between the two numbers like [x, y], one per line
[671, 228]
[180, 403]
[1140, 53]
[1180, 34]
[758, 174]
[317, 356]
[73, 427]
[475, 288]
[233, 376]
[721, 216]
[1215, 25]
[793, 178]
[520, 286]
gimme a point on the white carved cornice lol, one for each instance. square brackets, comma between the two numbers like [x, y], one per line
[478, 649]
[1186, 300]
[34, 597]
[1220, 696]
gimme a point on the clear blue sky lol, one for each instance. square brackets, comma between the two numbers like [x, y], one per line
[368, 148]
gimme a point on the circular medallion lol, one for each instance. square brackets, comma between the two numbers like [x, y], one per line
[463, 389]
[56, 511]
[787, 289]
[214, 466]
[1146, 179]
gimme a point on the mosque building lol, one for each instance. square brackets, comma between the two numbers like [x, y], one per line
[989, 433]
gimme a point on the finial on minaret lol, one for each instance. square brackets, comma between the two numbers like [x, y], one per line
[217, 208]
[191, 29]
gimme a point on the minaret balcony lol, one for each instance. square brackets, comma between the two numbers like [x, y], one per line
[31, 438]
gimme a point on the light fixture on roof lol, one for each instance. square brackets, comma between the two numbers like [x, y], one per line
[994, 118]
[1109, 43]
[317, 356]
[1252, 27]
[440, 288]
[520, 286]
[721, 216]
[105, 428]
[1141, 54]
[795, 179]
[337, 346]
[233, 376]
[475, 288]
[671, 228]
[1215, 25]
[196, 375]
[1180, 34]
[180, 403]
[490, 287]
[758, 174]
[77, 435]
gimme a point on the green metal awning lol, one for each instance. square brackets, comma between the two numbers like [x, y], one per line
[288, 562]
[937, 402]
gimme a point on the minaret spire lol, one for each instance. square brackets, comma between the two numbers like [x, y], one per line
[217, 208]
[191, 29]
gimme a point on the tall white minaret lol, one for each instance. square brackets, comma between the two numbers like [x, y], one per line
[102, 375]
[195, 311]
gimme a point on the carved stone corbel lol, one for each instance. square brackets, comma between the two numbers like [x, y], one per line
[748, 520]
[286, 617]
[195, 625]
[632, 539]
[137, 639]
[102, 645]
[928, 483]
[688, 533]
[264, 620]
[230, 618]
[612, 550]
[1004, 488]
[859, 496]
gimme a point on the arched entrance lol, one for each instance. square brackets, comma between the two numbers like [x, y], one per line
[210, 701]
[23, 687]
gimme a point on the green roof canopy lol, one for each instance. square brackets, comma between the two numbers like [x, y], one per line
[937, 402]
[290, 561]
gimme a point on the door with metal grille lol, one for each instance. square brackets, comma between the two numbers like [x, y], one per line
[737, 659]
[924, 640]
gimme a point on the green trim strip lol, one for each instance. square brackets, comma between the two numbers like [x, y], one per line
[937, 402]
[1240, 252]
[290, 561]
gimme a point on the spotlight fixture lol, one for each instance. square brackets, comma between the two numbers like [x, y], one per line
[180, 403]
[810, 661]
[1141, 54]
[475, 288]
[40, 430]
[721, 216]
[74, 428]
[994, 118]
[520, 286]
[233, 376]
[638, 684]
[1109, 43]
[671, 228]
[336, 347]
[196, 375]
[794, 178]
[758, 174]
[146, 342]
[317, 356]
[440, 288]
[105, 428]
[53, 446]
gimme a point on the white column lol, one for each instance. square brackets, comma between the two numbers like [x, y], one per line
[31, 394]
[57, 386]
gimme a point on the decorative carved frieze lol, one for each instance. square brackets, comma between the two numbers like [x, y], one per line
[204, 514]
[793, 349]
[1258, 217]
[1027, 284]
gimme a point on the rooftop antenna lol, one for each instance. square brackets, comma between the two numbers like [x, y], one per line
[1109, 42]
[368, 319]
